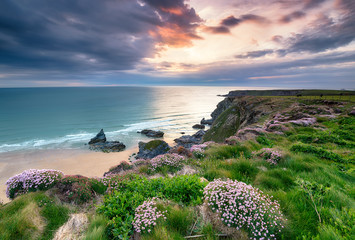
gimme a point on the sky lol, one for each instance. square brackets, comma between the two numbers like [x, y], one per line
[241, 43]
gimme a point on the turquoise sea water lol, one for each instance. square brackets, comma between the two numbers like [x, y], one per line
[62, 118]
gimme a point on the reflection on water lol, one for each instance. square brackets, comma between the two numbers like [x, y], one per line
[68, 117]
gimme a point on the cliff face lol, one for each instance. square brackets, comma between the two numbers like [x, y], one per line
[233, 114]
[221, 107]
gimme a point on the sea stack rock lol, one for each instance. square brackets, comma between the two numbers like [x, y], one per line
[152, 149]
[99, 138]
[99, 143]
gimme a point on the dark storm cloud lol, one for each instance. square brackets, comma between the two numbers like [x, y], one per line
[89, 35]
[321, 35]
[326, 33]
[218, 30]
[292, 16]
[255, 54]
[312, 3]
[232, 21]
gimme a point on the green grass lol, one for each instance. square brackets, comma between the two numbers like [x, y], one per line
[31, 216]
[97, 228]
[323, 162]
[154, 144]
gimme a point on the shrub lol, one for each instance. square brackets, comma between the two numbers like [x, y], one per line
[120, 206]
[111, 182]
[319, 152]
[97, 185]
[172, 161]
[146, 216]
[243, 207]
[270, 155]
[32, 180]
[76, 188]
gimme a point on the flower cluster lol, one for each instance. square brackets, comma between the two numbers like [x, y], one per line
[111, 181]
[243, 207]
[32, 180]
[170, 159]
[232, 140]
[146, 216]
[270, 155]
[199, 150]
[139, 161]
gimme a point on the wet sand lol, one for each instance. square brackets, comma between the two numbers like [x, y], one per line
[69, 161]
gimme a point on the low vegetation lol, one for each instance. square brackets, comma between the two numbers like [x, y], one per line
[293, 183]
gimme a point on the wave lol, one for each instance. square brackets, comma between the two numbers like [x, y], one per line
[77, 140]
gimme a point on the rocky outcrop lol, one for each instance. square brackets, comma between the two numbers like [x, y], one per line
[187, 141]
[99, 138]
[206, 121]
[352, 113]
[240, 113]
[152, 149]
[198, 126]
[74, 228]
[152, 133]
[99, 143]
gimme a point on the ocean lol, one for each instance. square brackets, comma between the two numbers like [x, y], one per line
[67, 118]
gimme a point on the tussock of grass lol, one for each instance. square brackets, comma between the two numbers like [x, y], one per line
[97, 228]
[31, 216]
[226, 152]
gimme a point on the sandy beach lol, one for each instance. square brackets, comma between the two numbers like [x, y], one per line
[69, 161]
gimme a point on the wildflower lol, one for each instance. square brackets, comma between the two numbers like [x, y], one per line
[256, 212]
[32, 180]
[172, 160]
[146, 216]
[270, 155]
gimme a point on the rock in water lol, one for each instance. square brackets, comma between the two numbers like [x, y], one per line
[206, 121]
[99, 138]
[198, 126]
[152, 133]
[152, 149]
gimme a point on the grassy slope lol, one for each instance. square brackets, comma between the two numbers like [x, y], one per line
[304, 182]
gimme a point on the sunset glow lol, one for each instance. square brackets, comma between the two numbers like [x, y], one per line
[170, 42]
